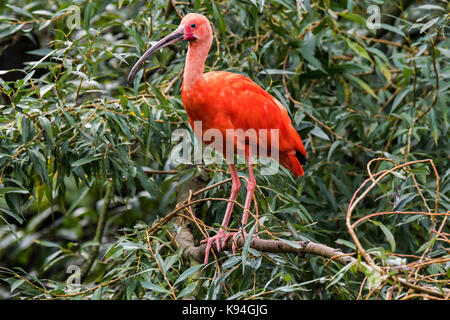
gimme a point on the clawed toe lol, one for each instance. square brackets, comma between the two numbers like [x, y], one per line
[220, 238]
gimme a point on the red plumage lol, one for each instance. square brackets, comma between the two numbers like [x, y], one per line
[224, 102]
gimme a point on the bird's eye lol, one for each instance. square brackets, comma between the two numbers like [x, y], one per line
[193, 26]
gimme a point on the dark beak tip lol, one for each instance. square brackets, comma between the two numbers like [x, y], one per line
[129, 79]
[175, 36]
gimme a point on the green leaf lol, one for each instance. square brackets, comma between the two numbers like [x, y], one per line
[276, 71]
[400, 97]
[245, 249]
[430, 7]
[81, 195]
[42, 59]
[333, 147]
[219, 18]
[358, 49]
[48, 244]
[162, 100]
[318, 132]
[429, 24]
[187, 290]
[307, 48]
[353, 17]
[16, 284]
[392, 29]
[43, 13]
[346, 243]
[13, 215]
[20, 11]
[338, 276]
[189, 272]
[13, 190]
[85, 160]
[45, 89]
[427, 245]
[364, 85]
[154, 287]
[87, 16]
[40, 165]
[384, 68]
[47, 126]
[389, 236]
[434, 125]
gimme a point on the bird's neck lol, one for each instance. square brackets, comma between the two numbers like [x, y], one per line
[195, 63]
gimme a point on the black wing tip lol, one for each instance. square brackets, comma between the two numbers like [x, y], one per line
[300, 156]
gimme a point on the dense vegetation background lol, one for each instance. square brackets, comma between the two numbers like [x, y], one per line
[86, 175]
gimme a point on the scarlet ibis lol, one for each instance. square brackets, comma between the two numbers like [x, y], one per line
[227, 101]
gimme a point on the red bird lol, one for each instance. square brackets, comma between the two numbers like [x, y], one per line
[227, 102]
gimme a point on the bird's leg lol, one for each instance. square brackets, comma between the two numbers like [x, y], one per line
[251, 185]
[222, 234]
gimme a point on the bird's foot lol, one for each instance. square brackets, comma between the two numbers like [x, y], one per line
[220, 238]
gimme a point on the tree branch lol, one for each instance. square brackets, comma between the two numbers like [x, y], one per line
[191, 189]
[186, 241]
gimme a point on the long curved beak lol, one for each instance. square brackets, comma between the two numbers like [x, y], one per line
[175, 36]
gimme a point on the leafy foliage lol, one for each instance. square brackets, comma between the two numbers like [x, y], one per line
[70, 125]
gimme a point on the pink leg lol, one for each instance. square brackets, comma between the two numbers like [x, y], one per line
[236, 186]
[251, 185]
[222, 234]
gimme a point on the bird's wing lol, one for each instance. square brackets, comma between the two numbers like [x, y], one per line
[247, 105]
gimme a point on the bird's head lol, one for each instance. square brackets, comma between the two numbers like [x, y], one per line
[194, 28]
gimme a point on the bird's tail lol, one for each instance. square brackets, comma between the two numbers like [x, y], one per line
[293, 162]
